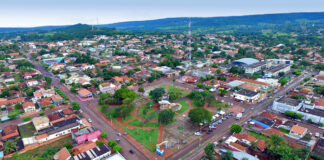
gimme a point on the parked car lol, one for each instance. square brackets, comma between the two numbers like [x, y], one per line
[118, 134]
[131, 151]
[125, 133]
[80, 111]
[197, 133]
[89, 120]
[117, 140]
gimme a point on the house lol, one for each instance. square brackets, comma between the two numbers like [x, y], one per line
[298, 131]
[9, 132]
[58, 67]
[246, 96]
[86, 134]
[84, 93]
[83, 147]
[57, 99]
[95, 153]
[109, 87]
[32, 83]
[189, 79]
[29, 107]
[40, 122]
[45, 102]
[63, 154]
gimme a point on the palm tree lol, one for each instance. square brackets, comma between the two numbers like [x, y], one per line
[9, 146]
[254, 145]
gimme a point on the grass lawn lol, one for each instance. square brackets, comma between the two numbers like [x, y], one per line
[258, 136]
[164, 86]
[183, 91]
[135, 122]
[27, 130]
[148, 115]
[184, 107]
[284, 130]
[32, 153]
[148, 138]
[152, 124]
[128, 118]
[141, 109]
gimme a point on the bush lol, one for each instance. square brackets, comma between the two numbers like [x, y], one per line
[58, 91]
[75, 106]
[117, 148]
[103, 135]
[25, 119]
[99, 143]
[112, 143]
[42, 114]
[235, 128]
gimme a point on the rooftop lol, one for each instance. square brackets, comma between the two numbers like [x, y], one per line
[277, 68]
[246, 92]
[264, 120]
[255, 65]
[289, 101]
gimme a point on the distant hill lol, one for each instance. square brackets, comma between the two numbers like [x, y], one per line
[224, 24]
[285, 22]
[22, 29]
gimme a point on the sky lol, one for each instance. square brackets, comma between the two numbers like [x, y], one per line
[29, 13]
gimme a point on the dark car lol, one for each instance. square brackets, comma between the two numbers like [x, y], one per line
[131, 151]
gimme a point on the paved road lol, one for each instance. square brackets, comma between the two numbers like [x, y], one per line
[97, 121]
[191, 152]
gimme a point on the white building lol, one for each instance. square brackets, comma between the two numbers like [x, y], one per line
[246, 95]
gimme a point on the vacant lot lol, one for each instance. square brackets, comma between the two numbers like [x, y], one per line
[148, 138]
[27, 130]
[37, 151]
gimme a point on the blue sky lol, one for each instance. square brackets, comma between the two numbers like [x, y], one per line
[25, 13]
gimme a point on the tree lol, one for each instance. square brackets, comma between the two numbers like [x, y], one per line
[103, 135]
[141, 89]
[209, 151]
[75, 106]
[18, 106]
[117, 148]
[156, 94]
[10, 146]
[283, 80]
[227, 155]
[210, 98]
[222, 92]
[166, 116]
[200, 115]
[173, 95]
[112, 143]
[235, 128]
[125, 110]
[124, 93]
[275, 141]
[48, 81]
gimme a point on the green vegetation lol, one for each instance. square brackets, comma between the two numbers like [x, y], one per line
[128, 118]
[184, 107]
[27, 130]
[58, 91]
[45, 151]
[258, 136]
[235, 128]
[200, 115]
[284, 130]
[143, 110]
[166, 116]
[135, 122]
[148, 138]
[156, 94]
[25, 119]
[294, 114]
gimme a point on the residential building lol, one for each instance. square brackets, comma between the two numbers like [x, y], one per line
[298, 131]
[109, 87]
[95, 153]
[246, 96]
[86, 134]
[84, 93]
[29, 107]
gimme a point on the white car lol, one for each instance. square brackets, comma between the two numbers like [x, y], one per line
[89, 120]
[197, 134]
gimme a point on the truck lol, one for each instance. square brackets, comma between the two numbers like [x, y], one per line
[238, 116]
